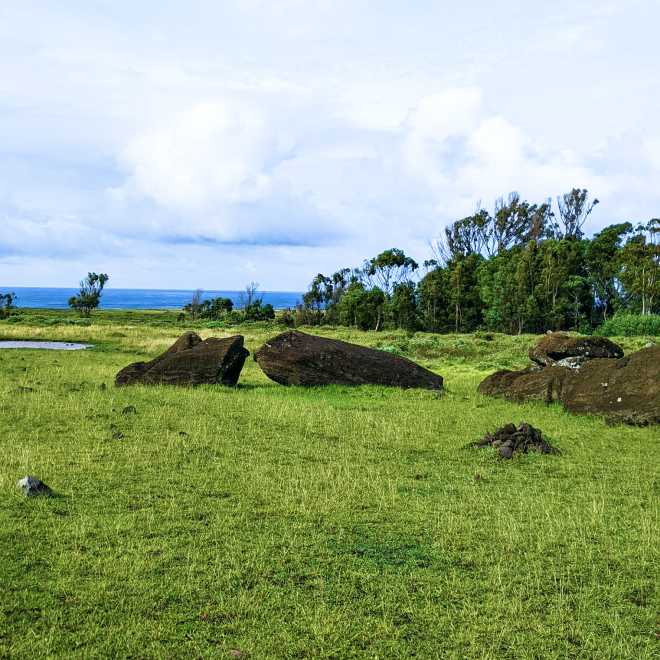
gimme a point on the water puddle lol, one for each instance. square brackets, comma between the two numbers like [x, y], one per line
[47, 345]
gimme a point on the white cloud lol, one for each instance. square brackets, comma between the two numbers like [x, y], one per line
[212, 153]
[314, 133]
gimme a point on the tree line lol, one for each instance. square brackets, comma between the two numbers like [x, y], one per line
[521, 268]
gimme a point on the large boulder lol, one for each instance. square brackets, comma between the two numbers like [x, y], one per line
[190, 361]
[532, 384]
[557, 347]
[296, 358]
[623, 390]
[626, 390]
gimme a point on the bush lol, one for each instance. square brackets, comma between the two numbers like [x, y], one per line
[6, 304]
[631, 325]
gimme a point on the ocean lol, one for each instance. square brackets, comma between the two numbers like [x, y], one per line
[53, 298]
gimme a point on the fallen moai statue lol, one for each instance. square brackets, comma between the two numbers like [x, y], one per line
[296, 358]
[626, 389]
[190, 361]
[557, 347]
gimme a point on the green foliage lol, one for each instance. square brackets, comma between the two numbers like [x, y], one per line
[361, 307]
[257, 311]
[7, 301]
[402, 307]
[216, 308]
[389, 269]
[434, 300]
[640, 267]
[603, 265]
[631, 325]
[89, 296]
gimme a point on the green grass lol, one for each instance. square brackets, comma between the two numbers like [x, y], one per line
[332, 522]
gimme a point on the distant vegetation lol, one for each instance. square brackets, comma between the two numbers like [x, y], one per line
[252, 307]
[522, 268]
[631, 325]
[6, 304]
[89, 296]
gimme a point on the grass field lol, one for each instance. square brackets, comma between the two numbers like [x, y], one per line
[271, 522]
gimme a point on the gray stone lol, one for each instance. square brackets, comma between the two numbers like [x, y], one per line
[31, 486]
[574, 362]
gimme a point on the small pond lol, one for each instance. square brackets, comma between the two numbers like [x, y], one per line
[47, 345]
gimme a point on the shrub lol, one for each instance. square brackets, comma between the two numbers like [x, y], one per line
[631, 325]
[6, 304]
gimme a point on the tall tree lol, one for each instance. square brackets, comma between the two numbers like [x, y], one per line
[640, 267]
[388, 269]
[434, 300]
[603, 267]
[574, 209]
[89, 295]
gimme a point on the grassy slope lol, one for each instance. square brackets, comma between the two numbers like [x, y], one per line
[330, 522]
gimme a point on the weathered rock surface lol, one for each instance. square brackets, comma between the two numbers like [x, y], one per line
[557, 346]
[532, 384]
[296, 358]
[510, 439]
[190, 361]
[623, 390]
[31, 487]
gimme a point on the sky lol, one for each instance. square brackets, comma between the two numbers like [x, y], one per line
[211, 143]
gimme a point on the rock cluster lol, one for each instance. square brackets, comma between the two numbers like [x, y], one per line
[510, 439]
[296, 358]
[623, 389]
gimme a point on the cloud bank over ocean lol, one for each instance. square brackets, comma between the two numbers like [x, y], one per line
[213, 143]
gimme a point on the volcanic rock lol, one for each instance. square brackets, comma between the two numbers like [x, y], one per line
[296, 358]
[510, 439]
[531, 384]
[623, 390]
[557, 346]
[190, 361]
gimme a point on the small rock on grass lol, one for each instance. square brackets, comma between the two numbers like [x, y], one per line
[511, 438]
[129, 410]
[31, 486]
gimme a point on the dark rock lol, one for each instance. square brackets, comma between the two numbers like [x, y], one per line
[31, 487]
[558, 346]
[116, 433]
[530, 384]
[625, 390]
[190, 361]
[506, 451]
[129, 410]
[296, 358]
[511, 438]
